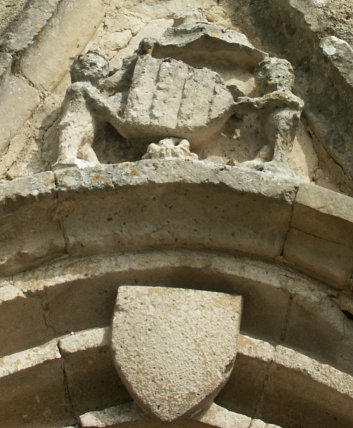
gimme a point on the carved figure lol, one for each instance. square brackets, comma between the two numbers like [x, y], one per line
[79, 118]
[147, 100]
[170, 148]
[157, 98]
[279, 110]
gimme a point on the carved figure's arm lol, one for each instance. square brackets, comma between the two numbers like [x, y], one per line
[246, 105]
[276, 99]
[120, 80]
[96, 102]
[281, 99]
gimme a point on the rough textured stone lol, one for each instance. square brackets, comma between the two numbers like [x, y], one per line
[86, 288]
[341, 54]
[22, 321]
[194, 40]
[26, 188]
[243, 391]
[216, 416]
[112, 416]
[18, 101]
[307, 382]
[8, 11]
[130, 416]
[305, 395]
[165, 98]
[5, 65]
[34, 378]
[28, 25]
[326, 260]
[169, 202]
[64, 37]
[149, 99]
[194, 224]
[189, 343]
[90, 374]
[322, 226]
[286, 25]
[29, 230]
[170, 148]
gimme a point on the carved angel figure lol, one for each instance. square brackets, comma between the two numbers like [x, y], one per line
[279, 110]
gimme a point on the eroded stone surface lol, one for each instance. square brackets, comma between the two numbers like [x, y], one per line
[174, 348]
[170, 148]
[58, 37]
[130, 416]
[280, 112]
[196, 41]
[165, 98]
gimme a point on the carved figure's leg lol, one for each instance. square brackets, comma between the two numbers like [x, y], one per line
[280, 128]
[76, 132]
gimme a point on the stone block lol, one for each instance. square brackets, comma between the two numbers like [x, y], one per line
[299, 393]
[91, 376]
[29, 230]
[28, 25]
[14, 192]
[320, 241]
[61, 40]
[316, 326]
[34, 378]
[325, 260]
[18, 102]
[21, 320]
[324, 213]
[243, 391]
[224, 212]
[29, 237]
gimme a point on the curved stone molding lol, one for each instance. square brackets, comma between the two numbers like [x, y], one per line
[189, 204]
[280, 305]
[259, 385]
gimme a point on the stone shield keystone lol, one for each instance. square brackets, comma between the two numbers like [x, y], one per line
[174, 348]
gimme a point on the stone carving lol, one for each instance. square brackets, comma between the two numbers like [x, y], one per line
[174, 348]
[198, 42]
[167, 92]
[80, 117]
[160, 98]
[279, 110]
[170, 148]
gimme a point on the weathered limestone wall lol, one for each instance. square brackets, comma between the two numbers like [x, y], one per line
[8, 11]
[175, 216]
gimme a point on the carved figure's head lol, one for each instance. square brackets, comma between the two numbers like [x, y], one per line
[274, 74]
[89, 67]
[146, 46]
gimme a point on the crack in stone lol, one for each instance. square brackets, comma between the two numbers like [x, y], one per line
[66, 387]
[286, 318]
[259, 405]
[45, 308]
[60, 223]
[290, 221]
